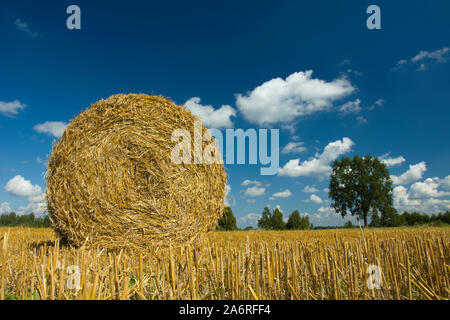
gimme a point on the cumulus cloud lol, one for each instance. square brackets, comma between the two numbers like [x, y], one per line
[389, 161]
[293, 147]
[247, 182]
[355, 72]
[351, 107]
[320, 165]
[404, 199]
[250, 219]
[308, 189]
[315, 199]
[211, 118]
[361, 119]
[282, 194]
[25, 27]
[255, 191]
[414, 173]
[283, 100]
[11, 109]
[424, 58]
[20, 187]
[377, 103]
[437, 55]
[54, 128]
[227, 195]
[5, 207]
[37, 208]
[427, 189]
[446, 182]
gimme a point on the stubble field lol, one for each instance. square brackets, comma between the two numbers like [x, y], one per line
[408, 263]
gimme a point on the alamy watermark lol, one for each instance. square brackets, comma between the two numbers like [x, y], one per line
[182, 153]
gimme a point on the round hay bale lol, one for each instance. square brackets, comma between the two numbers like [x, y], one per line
[112, 182]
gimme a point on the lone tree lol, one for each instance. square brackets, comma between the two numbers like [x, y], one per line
[361, 186]
[227, 222]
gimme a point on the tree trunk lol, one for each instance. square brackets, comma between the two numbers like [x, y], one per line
[365, 220]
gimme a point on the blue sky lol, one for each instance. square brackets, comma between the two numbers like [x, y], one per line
[324, 77]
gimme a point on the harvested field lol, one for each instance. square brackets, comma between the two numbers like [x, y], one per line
[329, 264]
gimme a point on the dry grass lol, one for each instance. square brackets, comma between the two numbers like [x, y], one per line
[112, 181]
[329, 264]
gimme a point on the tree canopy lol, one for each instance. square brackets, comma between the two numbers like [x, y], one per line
[227, 222]
[361, 186]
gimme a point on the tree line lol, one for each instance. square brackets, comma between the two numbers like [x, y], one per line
[268, 221]
[26, 220]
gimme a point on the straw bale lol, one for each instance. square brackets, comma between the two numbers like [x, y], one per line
[111, 180]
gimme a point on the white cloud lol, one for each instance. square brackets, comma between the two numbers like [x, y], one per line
[11, 109]
[427, 189]
[20, 187]
[25, 27]
[37, 208]
[437, 55]
[414, 173]
[389, 161]
[361, 119]
[250, 201]
[41, 161]
[377, 103]
[5, 208]
[227, 195]
[210, 117]
[293, 147]
[404, 200]
[309, 189]
[280, 100]
[320, 165]
[423, 58]
[250, 219]
[282, 194]
[250, 182]
[326, 211]
[446, 182]
[351, 107]
[315, 199]
[255, 191]
[54, 128]
[355, 72]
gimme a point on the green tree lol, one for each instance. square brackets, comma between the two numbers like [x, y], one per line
[362, 186]
[227, 222]
[304, 223]
[348, 224]
[294, 221]
[277, 220]
[389, 217]
[265, 222]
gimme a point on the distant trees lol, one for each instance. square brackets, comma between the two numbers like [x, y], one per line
[294, 221]
[393, 219]
[266, 219]
[361, 186]
[26, 220]
[274, 220]
[277, 220]
[228, 221]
